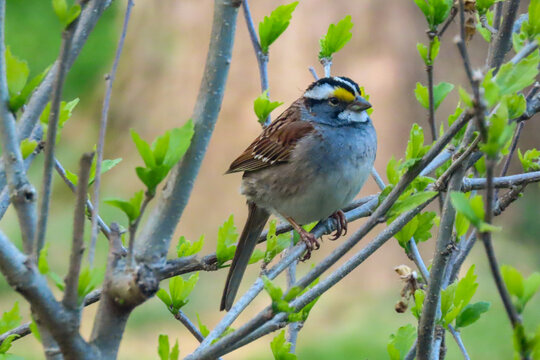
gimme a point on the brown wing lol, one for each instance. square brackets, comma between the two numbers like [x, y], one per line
[276, 142]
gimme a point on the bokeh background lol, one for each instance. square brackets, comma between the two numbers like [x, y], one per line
[155, 90]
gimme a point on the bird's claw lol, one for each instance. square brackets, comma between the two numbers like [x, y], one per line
[311, 243]
[341, 227]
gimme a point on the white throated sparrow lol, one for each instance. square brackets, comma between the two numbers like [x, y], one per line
[305, 166]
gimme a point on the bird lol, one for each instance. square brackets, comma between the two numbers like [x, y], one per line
[306, 165]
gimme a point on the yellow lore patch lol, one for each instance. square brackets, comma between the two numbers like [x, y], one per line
[344, 94]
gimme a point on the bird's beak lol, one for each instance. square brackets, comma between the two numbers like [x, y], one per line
[359, 104]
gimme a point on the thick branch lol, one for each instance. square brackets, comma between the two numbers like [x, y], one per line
[153, 242]
[23, 276]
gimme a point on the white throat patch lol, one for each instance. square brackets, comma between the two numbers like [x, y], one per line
[353, 116]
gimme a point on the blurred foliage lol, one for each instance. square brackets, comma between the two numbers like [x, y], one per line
[41, 51]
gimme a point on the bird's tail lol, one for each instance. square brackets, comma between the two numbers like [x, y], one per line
[255, 222]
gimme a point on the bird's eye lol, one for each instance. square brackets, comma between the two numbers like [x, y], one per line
[333, 101]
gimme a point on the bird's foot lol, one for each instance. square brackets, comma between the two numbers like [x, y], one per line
[311, 243]
[341, 227]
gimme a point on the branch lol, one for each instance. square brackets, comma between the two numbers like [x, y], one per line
[228, 343]
[180, 316]
[22, 193]
[46, 186]
[429, 70]
[90, 14]
[500, 182]
[70, 301]
[89, 207]
[153, 242]
[459, 342]
[372, 221]
[102, 130]
[23, 276]
[501, 43]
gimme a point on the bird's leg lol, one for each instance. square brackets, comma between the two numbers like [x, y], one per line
[341, 227]
[307, 237]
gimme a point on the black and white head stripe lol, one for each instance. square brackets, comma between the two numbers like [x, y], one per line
[324, 88]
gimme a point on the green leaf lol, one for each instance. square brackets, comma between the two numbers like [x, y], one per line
[281, 349]
[411, 202]
[401, 342]
[16, 102]
[274, 291]
[465, 97]
[532, 25]
[16, 72]
[491, 89]
[530, 287]
[462, 224]
[466, 288]
[106, 165]
[180, 289]
[89, 279]
[415, 145]
[423, 51]
[263, 106]
[336, 37]
[447, 299]
[530, 161]
[35, 331]
[131, 208]
[421, 93]
[441, 10]
[186, 248]
[482, 6]
[499, 132]
[27, 147]
[202, 328]
[72, 14]
[472, 209]
[513, 78]
[516, 105]
[66, 110]
[256, 256]
[419, 296]
[43, 265]
[440, 91]
[392, 171]
[275, 244]
[435, 47]
[6, 345]
[144, 149]
[10, 319]
[60, 9]
[471, 313]
[163, 347]
[513, 280]
[425, 7]
[164, 296]
[179, 142]
[274, 25]
[227, 236]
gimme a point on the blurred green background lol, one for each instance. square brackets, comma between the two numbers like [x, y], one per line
[155, 90]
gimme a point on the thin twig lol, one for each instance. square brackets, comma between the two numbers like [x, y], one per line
[70, 300]
[133, 227]
[459, 342]
[102, 130]
[440, 184]
[22, 193]
[417, 258]
[313, 73]
[448, 21]
[485, 25]
[56, 97]
[429, 71]
[62, 172]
